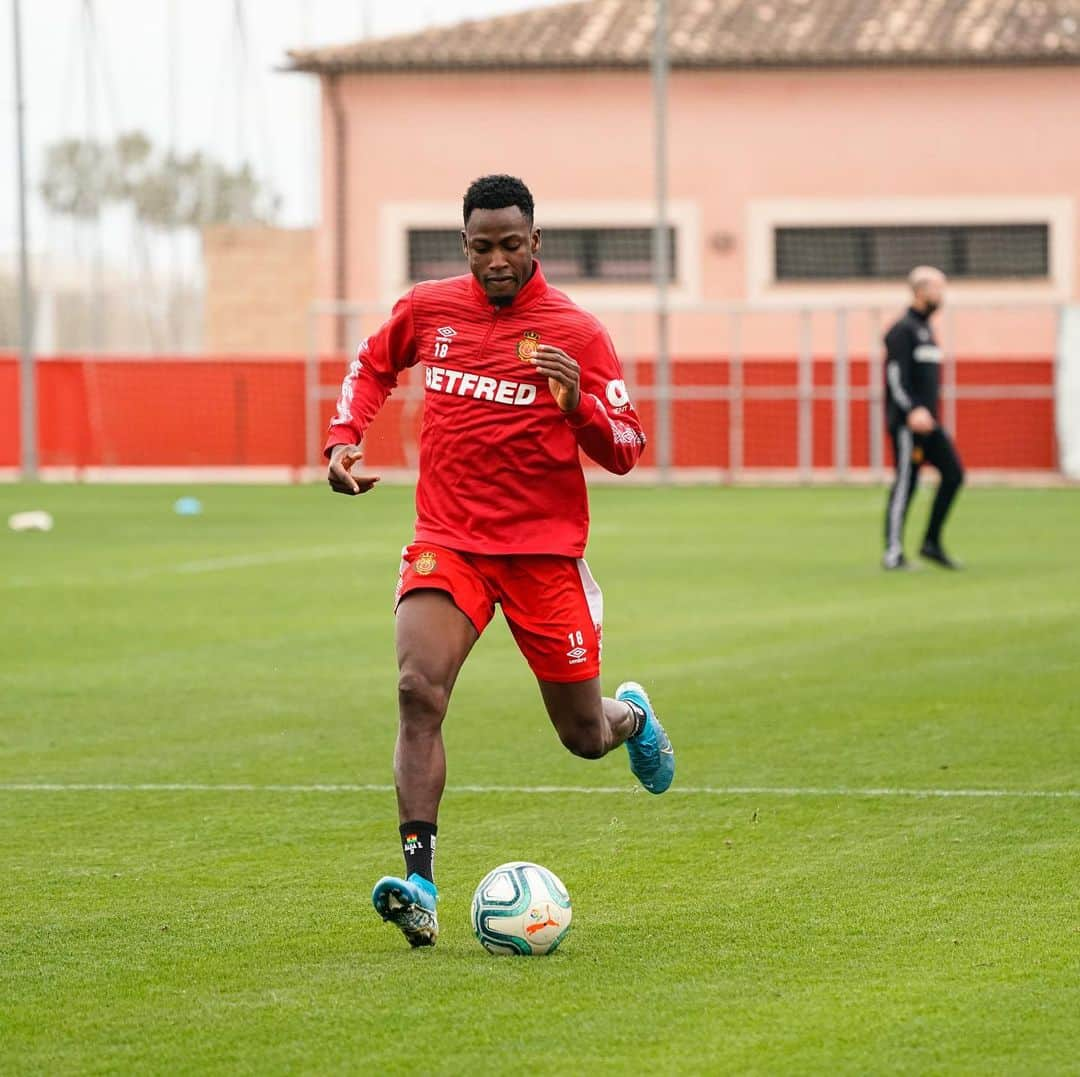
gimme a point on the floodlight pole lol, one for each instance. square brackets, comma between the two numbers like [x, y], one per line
[27, 383]
[661, 242]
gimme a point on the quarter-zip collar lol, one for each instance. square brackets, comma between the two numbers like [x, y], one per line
[532, 291]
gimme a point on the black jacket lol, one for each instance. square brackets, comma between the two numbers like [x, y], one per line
[912, 368]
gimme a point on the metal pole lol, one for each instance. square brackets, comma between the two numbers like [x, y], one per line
[875, 390]
[661, 243]
[949, 373]
[312, 394]
[841, 400]
[240, 58]
[173, 290]
[736, 401]
[98, 304]
[27, 379]
[806, 398]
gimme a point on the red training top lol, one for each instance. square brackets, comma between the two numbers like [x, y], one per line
[499, 466]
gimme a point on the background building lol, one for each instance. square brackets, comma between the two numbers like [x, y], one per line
[808, 143]
[816, 153]
[260, 283]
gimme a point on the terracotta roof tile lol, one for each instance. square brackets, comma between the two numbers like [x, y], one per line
[730, 33]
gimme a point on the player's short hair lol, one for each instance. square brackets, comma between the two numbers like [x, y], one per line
[498, 192]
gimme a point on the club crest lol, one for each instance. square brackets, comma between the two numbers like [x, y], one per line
[425, 564]
[526, 348]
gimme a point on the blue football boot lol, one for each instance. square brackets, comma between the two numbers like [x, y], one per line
[410, 904]
[652, 759]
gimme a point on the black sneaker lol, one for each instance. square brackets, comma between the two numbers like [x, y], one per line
[931, 551]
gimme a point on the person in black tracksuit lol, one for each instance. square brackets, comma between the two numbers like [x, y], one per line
[912, 377]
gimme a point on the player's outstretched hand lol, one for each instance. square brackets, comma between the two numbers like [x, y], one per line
[563, 375]
[345, 475]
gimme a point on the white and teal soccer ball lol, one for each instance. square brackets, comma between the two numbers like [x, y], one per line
[521, 908]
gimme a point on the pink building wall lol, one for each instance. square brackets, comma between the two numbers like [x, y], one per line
[736, 138]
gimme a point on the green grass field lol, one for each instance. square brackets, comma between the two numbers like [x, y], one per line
[791, 906]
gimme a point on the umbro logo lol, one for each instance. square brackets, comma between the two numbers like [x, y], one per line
[577, 653]
[443, 339]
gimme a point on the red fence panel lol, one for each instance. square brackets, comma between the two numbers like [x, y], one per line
[222, 411]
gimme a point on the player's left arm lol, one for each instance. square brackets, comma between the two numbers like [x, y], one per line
[592, 395]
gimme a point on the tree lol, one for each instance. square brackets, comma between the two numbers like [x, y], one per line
[165, 190]
[79, 177]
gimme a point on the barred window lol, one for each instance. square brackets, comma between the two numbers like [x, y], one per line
[963, 251]
[601, 255]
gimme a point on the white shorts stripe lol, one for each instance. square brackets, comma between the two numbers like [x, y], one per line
[594, 597]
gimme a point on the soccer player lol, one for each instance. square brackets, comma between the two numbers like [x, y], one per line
[912, 375]
[517, 379]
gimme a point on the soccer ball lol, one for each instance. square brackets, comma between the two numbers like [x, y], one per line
[521, 908]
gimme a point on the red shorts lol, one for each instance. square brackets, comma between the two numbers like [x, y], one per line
[551, 603]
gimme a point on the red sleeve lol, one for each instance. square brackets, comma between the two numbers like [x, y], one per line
[372, 376]
[605, 424]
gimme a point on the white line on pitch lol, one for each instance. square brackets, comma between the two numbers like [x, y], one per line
[269, 557]
[533, 790]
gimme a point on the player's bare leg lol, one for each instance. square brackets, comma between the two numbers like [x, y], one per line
[590, 725]
[433, 639]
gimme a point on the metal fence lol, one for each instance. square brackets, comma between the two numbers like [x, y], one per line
[774, 393]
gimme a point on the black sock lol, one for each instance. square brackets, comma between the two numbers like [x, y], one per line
[639, 717]
[418, 845]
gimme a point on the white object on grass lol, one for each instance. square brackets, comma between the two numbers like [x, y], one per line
[34, 520]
